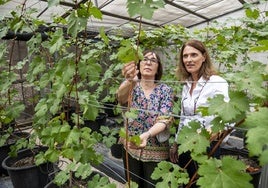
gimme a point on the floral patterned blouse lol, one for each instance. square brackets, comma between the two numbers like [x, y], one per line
[158, 105]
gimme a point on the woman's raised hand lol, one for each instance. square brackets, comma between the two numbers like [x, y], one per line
[130, 71]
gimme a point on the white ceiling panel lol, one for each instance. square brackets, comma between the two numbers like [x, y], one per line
[187, 13]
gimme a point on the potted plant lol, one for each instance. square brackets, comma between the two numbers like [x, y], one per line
[10, 107]
[5, 149]
[23, 170]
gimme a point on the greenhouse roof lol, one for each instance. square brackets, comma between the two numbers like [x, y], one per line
[187, 13]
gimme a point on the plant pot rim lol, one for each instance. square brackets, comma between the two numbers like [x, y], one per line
[21, 154]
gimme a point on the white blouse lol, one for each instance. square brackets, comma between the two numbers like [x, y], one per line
[204, 89]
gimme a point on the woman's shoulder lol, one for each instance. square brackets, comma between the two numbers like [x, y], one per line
[217, 78]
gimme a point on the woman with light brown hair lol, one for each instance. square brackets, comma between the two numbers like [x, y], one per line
[201, 82]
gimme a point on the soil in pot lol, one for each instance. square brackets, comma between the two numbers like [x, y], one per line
[5, 149]
[24, 173]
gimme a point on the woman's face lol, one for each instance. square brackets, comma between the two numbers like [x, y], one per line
[192, 59]
[149, 66]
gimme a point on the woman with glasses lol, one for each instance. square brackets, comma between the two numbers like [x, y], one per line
[153, 101]
[195, 68]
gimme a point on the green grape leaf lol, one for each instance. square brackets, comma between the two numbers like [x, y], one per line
[52, 155]
[15, 110]
[257, 123]
[263, 46]
[227, 172]
[68, 66]
[258, 144]
[73, 137]
[129, 52]
[144, 8]
[135, 139]
[228, 111]
[61, 177]
[83, 170]
[89, 104]
[105, 130]
[122, 133]
[257, 118]
[190, 140]
[95, 12]
[252, 13]
[89, 155]
[169, 175]
[88, 9]
[68, 153]
[100, 181]
[132, 113]
[76, 24]
[3, 139]
[264, 157]
[250, 79]
[57, 41]
[109, 141]
[104, 36]
[41, 108]
[39, 158]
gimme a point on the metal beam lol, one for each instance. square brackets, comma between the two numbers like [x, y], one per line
[105, 4]
[242, 2]
[219, 16]
[185, 9]
[213, 18]
[128, 18]
[66, 14]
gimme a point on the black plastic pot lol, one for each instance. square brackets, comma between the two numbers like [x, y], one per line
[116, 150]
[30, 176]
[5, 149]
[109, 108]
[99, 121]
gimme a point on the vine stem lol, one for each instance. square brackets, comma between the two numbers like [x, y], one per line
[128, 106]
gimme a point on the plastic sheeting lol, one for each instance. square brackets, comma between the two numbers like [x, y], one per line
[187, 13]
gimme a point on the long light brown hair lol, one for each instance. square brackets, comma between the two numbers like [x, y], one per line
[207, 69]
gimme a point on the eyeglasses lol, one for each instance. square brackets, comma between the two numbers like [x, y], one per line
[153, 60]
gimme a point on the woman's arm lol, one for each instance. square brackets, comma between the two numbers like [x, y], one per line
[153, 131]
[123, 92]
[130, 73]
